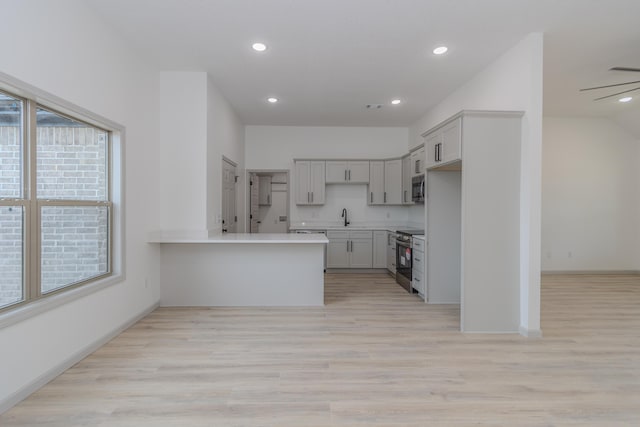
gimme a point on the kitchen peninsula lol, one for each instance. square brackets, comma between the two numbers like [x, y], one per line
[238, 269]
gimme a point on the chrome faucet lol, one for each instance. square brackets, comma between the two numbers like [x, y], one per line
[344, 215]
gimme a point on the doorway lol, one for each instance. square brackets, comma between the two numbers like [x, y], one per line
[229, 213]
[268, 201]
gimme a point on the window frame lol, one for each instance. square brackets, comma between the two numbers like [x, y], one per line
[34, 301]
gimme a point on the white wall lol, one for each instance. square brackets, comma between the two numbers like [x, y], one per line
[93, 68]
[197, 128]
[511, 82]
[275, 147]
[225, 137]
[590, 196]
[183, 151]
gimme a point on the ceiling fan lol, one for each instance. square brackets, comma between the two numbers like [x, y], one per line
[637, 70]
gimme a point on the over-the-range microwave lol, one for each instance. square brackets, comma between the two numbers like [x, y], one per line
[417, 189]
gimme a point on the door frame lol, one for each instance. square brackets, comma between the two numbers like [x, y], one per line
[248, 173]
[230, 162]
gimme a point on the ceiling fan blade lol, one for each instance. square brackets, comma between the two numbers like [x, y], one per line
[624, 69]
[616, 94]
[613, 85]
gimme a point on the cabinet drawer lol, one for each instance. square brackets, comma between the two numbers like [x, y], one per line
[418, 281]
[418, 261]
[418, 245]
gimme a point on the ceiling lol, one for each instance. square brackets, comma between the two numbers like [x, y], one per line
[327, 59]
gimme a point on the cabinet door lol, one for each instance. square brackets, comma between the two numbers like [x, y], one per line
[337, 172]
[380, 249]
[264, 191]
[432, 143]
[361, 255]
[358, 172]
[417, 282]
[406, 181]
[338, 253]
[391, 253]
[317, 182]
[451, 141]
[376, 183]
[393, 182]
[303, 191]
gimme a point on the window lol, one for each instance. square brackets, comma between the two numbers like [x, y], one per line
[56, 200]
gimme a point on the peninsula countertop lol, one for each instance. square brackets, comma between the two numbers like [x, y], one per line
[243, 238]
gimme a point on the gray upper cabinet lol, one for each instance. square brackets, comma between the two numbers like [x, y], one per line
[310, 182]
[347, 171]
[385, 182]
[444, 145]
[406, 181]
[418, 160]
[393, 182]
[376, 182]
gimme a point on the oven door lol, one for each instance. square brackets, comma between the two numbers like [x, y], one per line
[403, 264]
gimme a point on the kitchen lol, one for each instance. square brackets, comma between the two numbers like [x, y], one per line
[183, 116]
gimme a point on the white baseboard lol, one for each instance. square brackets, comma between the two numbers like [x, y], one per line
[52, 373]
[587, 272]
[530, 333]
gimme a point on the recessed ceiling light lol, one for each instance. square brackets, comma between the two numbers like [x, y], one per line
[260, 47]
[272, 100]
[440, 50]
[396, 101]
[625, 99]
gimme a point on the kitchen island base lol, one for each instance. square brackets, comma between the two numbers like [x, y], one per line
[241, 274]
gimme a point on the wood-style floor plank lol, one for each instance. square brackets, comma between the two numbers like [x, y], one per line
[373, 356]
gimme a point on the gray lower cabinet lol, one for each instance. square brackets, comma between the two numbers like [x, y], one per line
[380, 249]
[391, 252]
[349, 249]
[418, 271]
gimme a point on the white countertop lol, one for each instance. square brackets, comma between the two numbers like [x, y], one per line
[334, 226]
[246, 238]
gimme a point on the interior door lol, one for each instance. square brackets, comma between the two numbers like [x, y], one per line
[229, 215]
[254, 203]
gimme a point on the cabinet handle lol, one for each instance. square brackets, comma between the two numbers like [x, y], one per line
[405, 196]
[385, 197]
[308, 197]
[351, 245]
[268, 199]
[347, 246]
[312, 197]
[417, 259]
[345, 174]
[372, 197]
[349, 174]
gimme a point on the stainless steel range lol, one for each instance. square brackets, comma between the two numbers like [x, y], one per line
[404, 257]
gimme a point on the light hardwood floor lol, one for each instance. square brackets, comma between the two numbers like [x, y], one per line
[373, 356]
